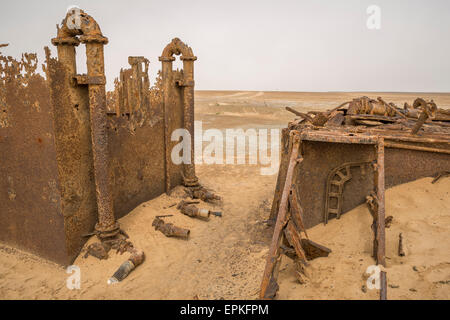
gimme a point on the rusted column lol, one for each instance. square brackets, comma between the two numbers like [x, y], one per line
[190, 179]
[106, 225]
[177, 47]
[166, 76]
[90, 34]
[66, 52]
[381, 237]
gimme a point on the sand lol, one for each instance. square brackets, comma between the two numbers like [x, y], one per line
[225, 257]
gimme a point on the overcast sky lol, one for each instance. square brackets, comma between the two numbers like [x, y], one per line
[287, 45]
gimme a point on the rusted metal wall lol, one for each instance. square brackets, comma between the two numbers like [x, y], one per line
[31, 214]
[136, 138]
[408, 165]
[70, 106]
[321, 158]
[47, 182]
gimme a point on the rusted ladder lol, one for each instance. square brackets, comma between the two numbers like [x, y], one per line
[344, 175]
[337, 178]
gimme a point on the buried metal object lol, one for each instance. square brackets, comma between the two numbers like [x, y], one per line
[188, 208]
[169, 229]
[377, 146]
[136, 258]
[105, 153]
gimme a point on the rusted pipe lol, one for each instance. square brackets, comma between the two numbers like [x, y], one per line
[300, 114]
[125, 268]
[169, 229]
[201, 193]
[189, 209]
[428, 111]
[66, 40]
[177, 47]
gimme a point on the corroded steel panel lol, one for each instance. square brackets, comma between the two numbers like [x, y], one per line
[74, 154]
[30, 206]
[338, 147]
[48, 196]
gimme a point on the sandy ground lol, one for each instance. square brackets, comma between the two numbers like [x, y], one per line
[225, 257]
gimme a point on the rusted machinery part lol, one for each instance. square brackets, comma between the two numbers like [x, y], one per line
[189, 209]
[169, 229]
[120, 244]
[136, 258]
[340, 106]
[101, 249]
[97, 250]
[428, 111]
[300, 114]
[200, 192]
[340, 183]
[392, 107]
[367, 106]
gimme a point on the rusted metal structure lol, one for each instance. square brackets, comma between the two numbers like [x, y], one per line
[75, 158]
[349, 156]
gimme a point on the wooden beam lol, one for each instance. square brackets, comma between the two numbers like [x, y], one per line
[274, 250]
[381, 237]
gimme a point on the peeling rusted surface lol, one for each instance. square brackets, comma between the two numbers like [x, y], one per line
[31, 211]
[349, 155]
[88, 32]
[188, 208]
[74, 157]
[169, 229]
[136, 138]
[327, 148]
[178, 102]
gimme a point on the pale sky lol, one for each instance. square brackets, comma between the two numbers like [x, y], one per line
[286, 45]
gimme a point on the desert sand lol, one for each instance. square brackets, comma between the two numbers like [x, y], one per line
[225, 257]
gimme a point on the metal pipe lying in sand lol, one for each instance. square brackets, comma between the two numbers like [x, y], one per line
[188, 208]
[170, 230]
[125, 268]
